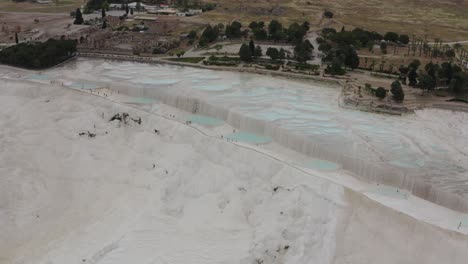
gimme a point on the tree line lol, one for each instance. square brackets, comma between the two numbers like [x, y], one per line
[37, 55]
[259, 31]
[434, 74]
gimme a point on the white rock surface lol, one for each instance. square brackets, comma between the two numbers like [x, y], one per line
[66, 198]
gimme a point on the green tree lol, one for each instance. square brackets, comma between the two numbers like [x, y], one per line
[381, 93]
[78, 17]
[252, 47]
[412, 77]
[414, 64]
[324, 47]
[105, 6]
[403, 39]
[303, 51]
[296, 33]
[336, 67]
[391, 36]
[275, 30]
[253, 25]
[273, 53]
[245, 53]
[447, 70]
[260, 34]
[427, 82]
[352, 59]
[234, 30]
[104, 24]
[92, 5]
[397, 91]
[282, 54]
[103, 13]
[210, 34]
[432, 69]
[38, 54]
[459, 83]
[258, 52]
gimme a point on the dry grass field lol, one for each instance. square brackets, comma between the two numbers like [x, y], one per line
[62, 6]
[446, 19]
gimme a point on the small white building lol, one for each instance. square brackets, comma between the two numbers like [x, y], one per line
[195, 11]
[134, 4]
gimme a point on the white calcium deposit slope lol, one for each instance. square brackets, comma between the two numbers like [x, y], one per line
[425, 153]
[130, 195]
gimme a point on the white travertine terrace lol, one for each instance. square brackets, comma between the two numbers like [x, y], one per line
[425, 153]
[130, 195]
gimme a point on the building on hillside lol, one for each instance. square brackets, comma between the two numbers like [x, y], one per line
[165, 11]
[44, 1]
[194, 12]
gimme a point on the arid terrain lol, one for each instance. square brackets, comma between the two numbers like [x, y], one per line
[60, 6]
[445, 19]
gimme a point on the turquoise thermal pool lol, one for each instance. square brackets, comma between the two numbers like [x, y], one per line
[248, 138]
[204, 120]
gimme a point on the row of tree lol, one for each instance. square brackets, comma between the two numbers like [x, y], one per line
[275, 31]
[445, 74]
[302, 52]
[37, 55]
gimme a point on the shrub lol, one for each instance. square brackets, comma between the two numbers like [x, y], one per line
[397, 91]
[381, 93]
[391, 36]
[328, 14]
[273, 53]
